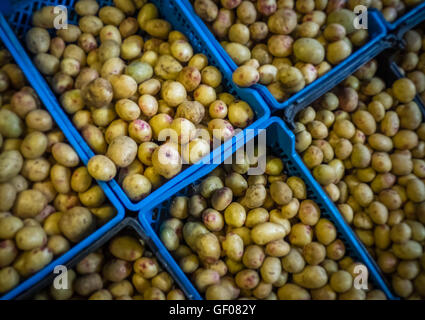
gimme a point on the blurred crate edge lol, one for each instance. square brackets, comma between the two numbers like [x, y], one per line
[282, 141]
[377, 43]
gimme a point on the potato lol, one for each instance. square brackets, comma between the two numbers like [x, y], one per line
[221, 198]
[415, 190]
[404, 90]
[170, 239]
[293, 292]
[338, 50]
[247, 279]
[102, 294]
[123, 86]
[147, 267]
[90, 24]
[39, 120]
[34, 145]
[309, 50]
[87, 284]
[206, 9]
[233, 246]
[61, 178]
[402, 287]
[240, 114]
[324, 174]
[93, 197]
[126, 6]
[157, 28]
[120, 289]
[127, 109]
[46, 63]
[197, 149]
[101, 168]
[291, 79]
[255, 196]
[65, 155]
[182, 131]
[126, 248]
[7, 196]
[57, 47]
[208, 247]
[253, 257]
[8, 253]
[407, 250]
[270, 270]
[29, 203]
[76, 223]
[86, 7]
[98, 93]
[81, 180]
[58, 245]
[246, 76]
[312, 277]
[64, 294]
[32, 261]
[336, 250]
[122, 151]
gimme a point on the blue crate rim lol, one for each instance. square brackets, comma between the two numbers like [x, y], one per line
[321, 85]
[9, 44]
[85, 152]
[329, 206]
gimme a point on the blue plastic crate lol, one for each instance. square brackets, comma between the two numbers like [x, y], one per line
[128, 226]
[408, 21]
[30, 281]
[376, 44]
[282, 141]
[394, 68]
[20, 20]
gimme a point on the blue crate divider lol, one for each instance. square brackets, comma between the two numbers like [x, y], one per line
[377, 43]
[129, 226]
[20, 20]
[408, 21]
[282, 141]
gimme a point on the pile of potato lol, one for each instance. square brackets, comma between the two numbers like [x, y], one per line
[47, 202]
[365, 144]
[127, 82]
[259, 237]
[412, 59]
[283, 44]
[122, 270]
